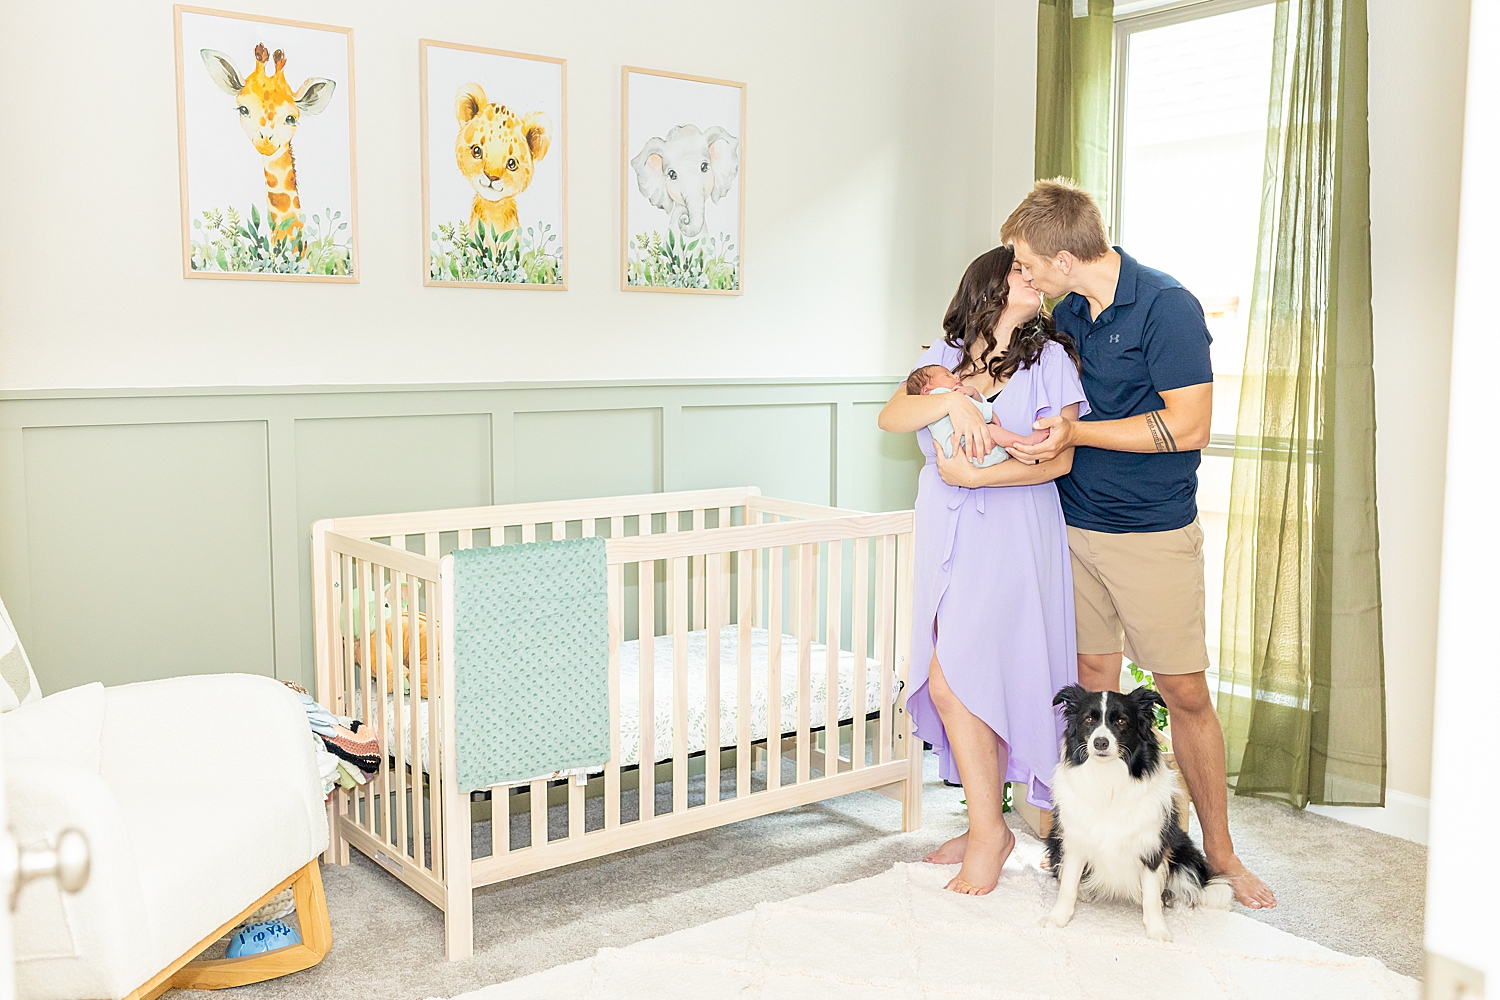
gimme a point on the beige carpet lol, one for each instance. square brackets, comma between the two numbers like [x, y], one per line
[899, 935]
[1347, 888]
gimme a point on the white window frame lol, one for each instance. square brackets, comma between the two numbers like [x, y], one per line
[1132, 19]
[1127, 24]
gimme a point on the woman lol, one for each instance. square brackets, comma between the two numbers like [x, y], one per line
[992, 605]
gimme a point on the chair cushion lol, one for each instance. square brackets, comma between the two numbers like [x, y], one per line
[18, 684]
[63, 726]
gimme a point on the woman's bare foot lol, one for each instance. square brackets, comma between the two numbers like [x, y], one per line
[951, 852]
[982, 864]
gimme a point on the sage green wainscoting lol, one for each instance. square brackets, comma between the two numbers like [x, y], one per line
[151, 533]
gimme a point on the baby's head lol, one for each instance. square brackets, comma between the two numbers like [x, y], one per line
[928, 378]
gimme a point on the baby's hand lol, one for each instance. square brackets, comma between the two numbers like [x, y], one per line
[971, 392]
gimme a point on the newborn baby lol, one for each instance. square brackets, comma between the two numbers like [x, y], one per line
[933, 379]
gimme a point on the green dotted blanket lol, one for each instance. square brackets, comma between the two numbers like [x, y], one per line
[531, 631]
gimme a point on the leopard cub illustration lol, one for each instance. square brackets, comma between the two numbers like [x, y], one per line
[497, 151]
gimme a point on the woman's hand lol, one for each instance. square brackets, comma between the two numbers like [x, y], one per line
[969, 424]
[958, 470]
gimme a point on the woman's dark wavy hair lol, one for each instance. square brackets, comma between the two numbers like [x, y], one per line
[976, 308]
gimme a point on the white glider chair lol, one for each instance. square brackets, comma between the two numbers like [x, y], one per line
[200, 800]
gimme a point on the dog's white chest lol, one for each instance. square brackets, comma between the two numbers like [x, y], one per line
[1112, 821]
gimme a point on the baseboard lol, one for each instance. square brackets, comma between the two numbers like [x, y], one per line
[1403, 815]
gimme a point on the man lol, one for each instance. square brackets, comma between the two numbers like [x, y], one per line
[1130, 501]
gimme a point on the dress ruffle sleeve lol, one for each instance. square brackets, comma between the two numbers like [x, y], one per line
[1057, 383]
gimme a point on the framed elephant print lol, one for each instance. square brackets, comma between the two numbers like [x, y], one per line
[265, 139]
[494, 167]
[683, 202]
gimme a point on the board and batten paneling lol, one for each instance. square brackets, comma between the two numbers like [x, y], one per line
[149, 543]
[148, 533]
[348, 466]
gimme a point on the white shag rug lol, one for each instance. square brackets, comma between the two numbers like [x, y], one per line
[899, 935]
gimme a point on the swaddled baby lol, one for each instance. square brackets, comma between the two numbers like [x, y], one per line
[933, 379]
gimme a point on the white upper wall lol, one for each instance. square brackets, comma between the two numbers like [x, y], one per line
[868, 179]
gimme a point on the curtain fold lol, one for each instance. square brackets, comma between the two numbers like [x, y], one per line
[1074, 74]
[1301, 666]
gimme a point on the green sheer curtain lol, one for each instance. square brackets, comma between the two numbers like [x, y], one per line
[1301, 668]
[1074, 59]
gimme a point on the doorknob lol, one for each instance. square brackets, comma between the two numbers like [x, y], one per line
[68, 862]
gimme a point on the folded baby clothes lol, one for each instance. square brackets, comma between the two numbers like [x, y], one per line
[942, 433]
[361, 749]
[531, 660]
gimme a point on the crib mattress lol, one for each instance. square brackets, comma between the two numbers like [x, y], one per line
[697, 669]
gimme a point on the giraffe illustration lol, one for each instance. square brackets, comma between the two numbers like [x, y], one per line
[269, 111]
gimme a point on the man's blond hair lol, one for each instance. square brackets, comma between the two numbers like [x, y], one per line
[1058, 215]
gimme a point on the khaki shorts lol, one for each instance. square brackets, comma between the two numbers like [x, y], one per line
[1141, 593]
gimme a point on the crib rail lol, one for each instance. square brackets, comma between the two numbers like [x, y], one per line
[681, 568]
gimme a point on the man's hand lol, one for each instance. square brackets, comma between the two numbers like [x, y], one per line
[1063, 434]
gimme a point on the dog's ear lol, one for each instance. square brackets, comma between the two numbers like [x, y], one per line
[1070, 695]
[1145, 698]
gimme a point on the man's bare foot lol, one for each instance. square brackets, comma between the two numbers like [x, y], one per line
[981, 870]
[951, 852]
[1249, 890]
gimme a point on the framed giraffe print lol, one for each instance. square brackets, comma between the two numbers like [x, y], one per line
[683, 183]
[494, 167]
[265, 138]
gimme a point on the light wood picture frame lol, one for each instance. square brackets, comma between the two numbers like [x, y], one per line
[494, 167]
[682, 198]
[255, 203]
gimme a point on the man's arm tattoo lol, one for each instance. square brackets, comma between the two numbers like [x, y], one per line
[1159, 432]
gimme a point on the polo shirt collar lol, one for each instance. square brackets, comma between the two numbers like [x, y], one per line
[1125, 289]
[1129, 274]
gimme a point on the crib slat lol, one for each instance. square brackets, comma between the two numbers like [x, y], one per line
[713, 623]
[902, 598]
[807, 623]
[414, 647]
[576, 789]
[773, 670]
[398, 649]
[616, 636]
[559, 530]
[757, 568]
[538, 812]
[834, 605]
[344, 691]
[435, 668]
[587, 528]
[793, 625]
[466, 538]
[369, 701]
[646, 672]
[674, 524]
[617, 527]
[743, 699]
[885, 565]
[528, 532]
[859, 695]
[382, 696]
[679, 582]
[699, 579]
[497, 534]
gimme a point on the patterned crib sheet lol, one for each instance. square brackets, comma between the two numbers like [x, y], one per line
[760, 642]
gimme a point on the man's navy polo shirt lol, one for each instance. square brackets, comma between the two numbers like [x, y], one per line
[1151, 338]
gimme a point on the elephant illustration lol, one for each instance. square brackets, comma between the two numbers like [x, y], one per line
[679, 173]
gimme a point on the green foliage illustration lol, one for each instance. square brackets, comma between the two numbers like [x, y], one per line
[668, 262]
[529, 257]
[225, 240]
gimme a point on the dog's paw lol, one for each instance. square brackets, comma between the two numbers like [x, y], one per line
[1057, 919]
[1159, 933]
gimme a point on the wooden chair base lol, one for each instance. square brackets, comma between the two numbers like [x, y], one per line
[222, 973]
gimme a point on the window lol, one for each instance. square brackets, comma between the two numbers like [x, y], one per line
[1192, 92]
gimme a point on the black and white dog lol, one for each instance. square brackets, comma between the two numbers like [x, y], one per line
[1115, 833]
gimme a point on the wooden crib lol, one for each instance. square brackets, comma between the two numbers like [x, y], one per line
[836, 582]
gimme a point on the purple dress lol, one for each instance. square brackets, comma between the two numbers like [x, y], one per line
[994, 576]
